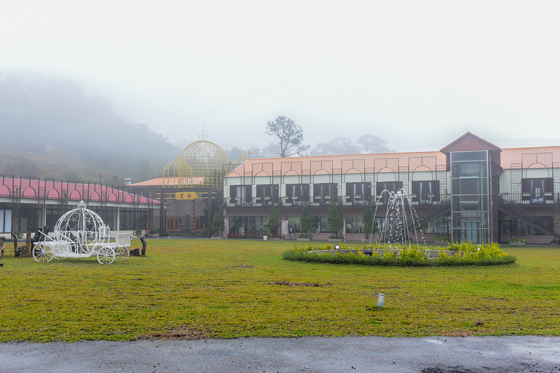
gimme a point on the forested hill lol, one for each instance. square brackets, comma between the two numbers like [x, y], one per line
[38, 111]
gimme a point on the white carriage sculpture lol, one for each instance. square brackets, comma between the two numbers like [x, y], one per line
[81, 233]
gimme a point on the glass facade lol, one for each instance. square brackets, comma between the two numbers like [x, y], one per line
[247, 226]
[470, 200]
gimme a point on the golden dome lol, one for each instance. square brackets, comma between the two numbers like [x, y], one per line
[202, 164]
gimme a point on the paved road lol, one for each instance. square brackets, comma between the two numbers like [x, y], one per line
[347, 354]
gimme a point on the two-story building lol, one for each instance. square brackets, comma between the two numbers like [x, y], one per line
[469, 190]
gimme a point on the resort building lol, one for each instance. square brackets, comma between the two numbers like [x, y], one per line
[469, 190]
[30, 203]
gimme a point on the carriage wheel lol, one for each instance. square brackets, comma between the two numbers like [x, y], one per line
[42, 253]
[105, 255]
[122, 253]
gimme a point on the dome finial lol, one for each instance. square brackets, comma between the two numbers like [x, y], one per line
[203, 135]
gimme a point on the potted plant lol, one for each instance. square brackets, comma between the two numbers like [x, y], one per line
[139, 233]
[266, 231]
[440, 239]
[517, 241]
[153, 233]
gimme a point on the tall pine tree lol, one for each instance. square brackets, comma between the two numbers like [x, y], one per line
[335, 216]
[274, 220]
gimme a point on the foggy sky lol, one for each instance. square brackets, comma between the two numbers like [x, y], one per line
[417, 73]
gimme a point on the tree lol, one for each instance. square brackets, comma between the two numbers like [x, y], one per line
[218, 223]
[306, 219]
[368, 219]
[373, 144]
[289, 134]
[19, 165]
[274, 220]
[334, 215]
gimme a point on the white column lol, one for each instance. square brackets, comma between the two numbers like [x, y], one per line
[118, 219]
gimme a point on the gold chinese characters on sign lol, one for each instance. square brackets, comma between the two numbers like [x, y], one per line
[186, 195]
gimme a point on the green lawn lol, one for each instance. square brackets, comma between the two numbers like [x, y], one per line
[201, 284]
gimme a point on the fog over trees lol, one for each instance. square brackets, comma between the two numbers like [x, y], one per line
[366, 144]
[38, 111]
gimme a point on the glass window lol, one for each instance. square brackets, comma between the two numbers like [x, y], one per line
[7, 220]
[325, 194]
[267, 194]
[294, 221]
[470, 186]
[438, 226]
[470, 203]
[354, 224]
[470, 220]
[320, 225]
[240, 194]
[515, 227]
[537, 190]
[469, 156]
[425, 192]
[469, 169]
[296, 193]
[358, 193]
[236, 224]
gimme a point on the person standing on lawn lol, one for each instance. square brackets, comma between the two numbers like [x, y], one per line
[2, 239]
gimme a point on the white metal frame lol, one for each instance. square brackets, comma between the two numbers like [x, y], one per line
[81, 233]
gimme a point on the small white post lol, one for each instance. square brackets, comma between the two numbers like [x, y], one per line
[380, 299]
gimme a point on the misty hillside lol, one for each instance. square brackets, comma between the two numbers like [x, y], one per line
[39, 112]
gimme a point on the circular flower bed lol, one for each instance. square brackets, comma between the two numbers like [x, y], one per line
[460, 254]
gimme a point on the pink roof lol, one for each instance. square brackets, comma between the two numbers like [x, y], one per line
[53, 190]
[348, 163]
[534, 157]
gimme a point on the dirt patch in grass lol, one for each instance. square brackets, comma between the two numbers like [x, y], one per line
[178, 334]
[242, 266]
[311, 284]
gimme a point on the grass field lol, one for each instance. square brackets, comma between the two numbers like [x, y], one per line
[235, 288]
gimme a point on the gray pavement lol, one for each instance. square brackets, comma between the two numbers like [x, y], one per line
[347, 354]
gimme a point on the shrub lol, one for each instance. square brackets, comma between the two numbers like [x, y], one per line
[336, 237]
[516, 239]
[303, 235]
[153, 231]
[441, 239]
[405, 256]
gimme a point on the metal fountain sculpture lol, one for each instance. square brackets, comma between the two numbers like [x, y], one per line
[400, 217]
[81, 233]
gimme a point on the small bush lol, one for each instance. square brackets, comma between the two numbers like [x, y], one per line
[303, 235]
[516, 240]
[440, 239]
[153, 231]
